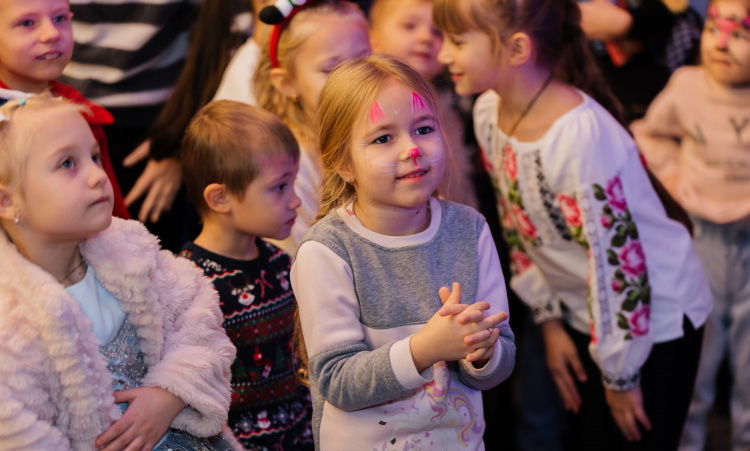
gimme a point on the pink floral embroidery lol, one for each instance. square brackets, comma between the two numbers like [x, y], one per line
[616, 196]
[509, 163]
[618, 285]
[639, 320]
[506, 220]
[570, 210]
[524, 223]
[521, 261]
[625, 253]
[632, 259]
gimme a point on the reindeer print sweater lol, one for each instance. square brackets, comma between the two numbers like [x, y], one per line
[268, 405]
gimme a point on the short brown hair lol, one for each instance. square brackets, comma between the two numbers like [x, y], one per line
[224, 144]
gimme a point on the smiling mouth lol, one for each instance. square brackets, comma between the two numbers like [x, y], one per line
[49, 56]
[413, 174]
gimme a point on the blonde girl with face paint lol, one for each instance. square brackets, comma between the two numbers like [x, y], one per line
[292, 69]
[612, 281]
[696, 139]
[395, 357]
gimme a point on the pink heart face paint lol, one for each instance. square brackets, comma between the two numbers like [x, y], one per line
[726, 25]
[725, 43]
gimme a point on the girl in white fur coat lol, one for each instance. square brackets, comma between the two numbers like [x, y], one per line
[90, 304]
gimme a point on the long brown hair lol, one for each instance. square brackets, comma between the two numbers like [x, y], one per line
[211, 46]
[555, 27]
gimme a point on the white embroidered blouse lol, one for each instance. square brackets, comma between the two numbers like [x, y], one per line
[586, 231]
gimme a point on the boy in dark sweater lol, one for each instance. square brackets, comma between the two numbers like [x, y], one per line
[239, 163]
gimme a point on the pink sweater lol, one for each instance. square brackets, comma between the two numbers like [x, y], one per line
[55, 389]
[696, 139]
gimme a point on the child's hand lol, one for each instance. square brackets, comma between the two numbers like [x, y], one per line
[466, 313]
[627, 408]
[159, 182]
[562, 357]
[443, 337]
[150, 412]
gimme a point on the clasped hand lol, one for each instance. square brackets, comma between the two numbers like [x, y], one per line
[457, 331]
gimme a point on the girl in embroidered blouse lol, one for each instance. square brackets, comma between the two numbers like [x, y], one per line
[613, 282]
[93, 312]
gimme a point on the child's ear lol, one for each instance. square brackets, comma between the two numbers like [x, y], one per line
[217, 198]
[8, 209]
[283, 83]
[520, 47]
[346, 175]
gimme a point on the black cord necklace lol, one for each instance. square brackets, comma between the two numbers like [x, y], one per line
[528, 107]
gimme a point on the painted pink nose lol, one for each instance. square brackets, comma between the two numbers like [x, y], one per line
[414, 153]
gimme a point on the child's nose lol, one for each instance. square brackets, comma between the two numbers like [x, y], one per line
[723, 39]
[97, 176]
[424, 34]
[49, 32]
[444, 55]
[296, 201]
[409, 149]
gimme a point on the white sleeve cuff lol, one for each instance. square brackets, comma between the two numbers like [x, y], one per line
[403, 366]
[489, 367]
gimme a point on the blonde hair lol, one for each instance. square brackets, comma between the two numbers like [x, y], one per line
[16, 116]
[225, 143]
[349, 90]
[297, 31]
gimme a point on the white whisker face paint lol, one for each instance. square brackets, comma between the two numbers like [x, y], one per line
[393, 145]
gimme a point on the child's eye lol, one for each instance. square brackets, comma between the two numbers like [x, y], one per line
[424, 130]
[96, 158]
[26, 23]
[740, 35]
[382, 139]
[410, 26]
[67, 163]
[60, 18]
[280, 187]
[454, 40]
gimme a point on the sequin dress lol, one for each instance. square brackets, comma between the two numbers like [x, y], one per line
[128, 369]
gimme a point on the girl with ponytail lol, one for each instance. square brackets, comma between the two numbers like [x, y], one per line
[613, 282]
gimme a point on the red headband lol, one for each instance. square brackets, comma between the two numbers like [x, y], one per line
[273, 43]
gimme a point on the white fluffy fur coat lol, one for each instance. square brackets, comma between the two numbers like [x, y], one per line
[55, 389]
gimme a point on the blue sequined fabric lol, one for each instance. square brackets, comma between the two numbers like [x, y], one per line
[128, 368]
